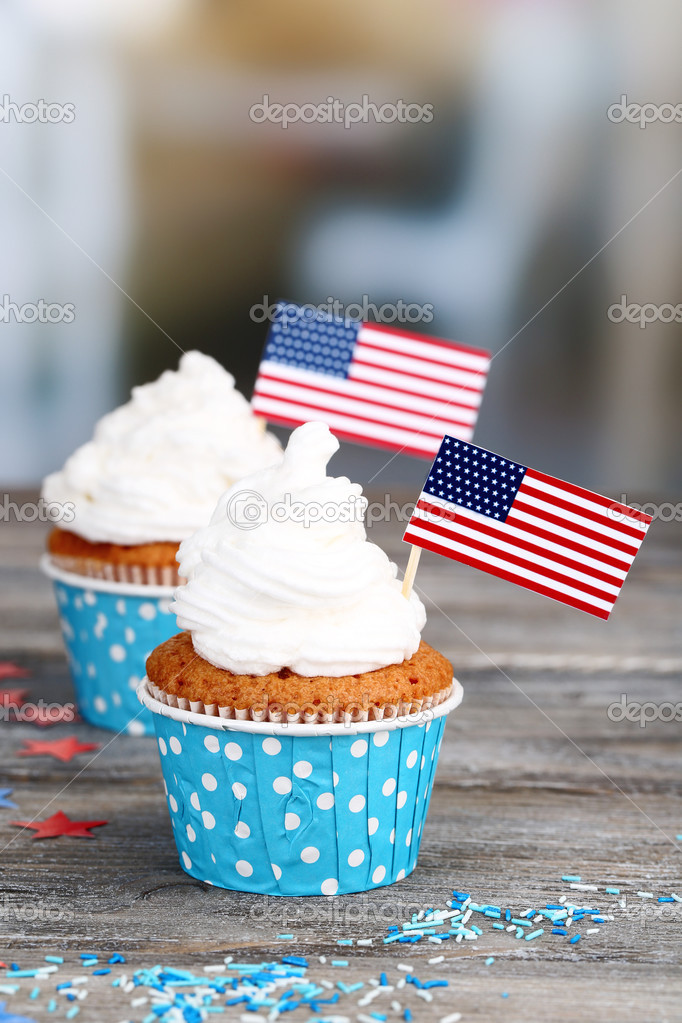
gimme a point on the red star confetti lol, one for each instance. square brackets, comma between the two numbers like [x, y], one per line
[8, 669]
[59, 824]
[61, 749]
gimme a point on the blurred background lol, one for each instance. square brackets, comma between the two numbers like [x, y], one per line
[166, 214]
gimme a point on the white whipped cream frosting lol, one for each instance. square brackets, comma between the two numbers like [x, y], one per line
[319, 599]
[156, 466]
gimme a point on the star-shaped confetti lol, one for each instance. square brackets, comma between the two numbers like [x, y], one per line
[61, 749]
[8, 669]
[5, 803]
[59, 824]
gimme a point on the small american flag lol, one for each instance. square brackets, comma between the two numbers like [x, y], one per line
[534, 530]
[370, 384]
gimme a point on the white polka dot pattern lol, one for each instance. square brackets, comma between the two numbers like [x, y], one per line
[297, 815]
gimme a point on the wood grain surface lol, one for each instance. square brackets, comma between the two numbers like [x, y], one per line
[534, 781]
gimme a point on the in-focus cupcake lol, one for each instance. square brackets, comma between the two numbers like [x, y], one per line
[150, 477]
[302, 650]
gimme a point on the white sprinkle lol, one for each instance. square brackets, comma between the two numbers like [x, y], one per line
[436, 959]
[562, 899]
[592, 930]
[373, 981]
[675, 897]
[470, 936]
[454, 1017]
[401, 984]
[83, 993]
[570, 910]
[326, 983]
[214, 968]
[466, 902]
[396, 1006]
[364, 941]
[538, 918]
[130, 986]
[421, 914]
[467, 916]
[426, 995]
[512, 927]
[434, 939]
[405, 966]
[80, 980]
[459, 938]
[363, 1018]
[645, 895]
[228, 959]
[323, 959]
[370, 996]
[529, 910]
[135, 1002]
[584, 887]
[568, 921]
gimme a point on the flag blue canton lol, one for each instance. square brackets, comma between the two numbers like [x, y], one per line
[305, 338]
[474, 478]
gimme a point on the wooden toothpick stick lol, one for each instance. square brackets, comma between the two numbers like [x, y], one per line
[411, 571]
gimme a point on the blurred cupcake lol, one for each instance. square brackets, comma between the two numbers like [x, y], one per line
[302, 651]
[153, 472]
[148, 479]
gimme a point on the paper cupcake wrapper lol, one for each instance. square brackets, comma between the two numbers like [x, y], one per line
[137, 575]
[278, 714]
[297, 809]
[109, 630]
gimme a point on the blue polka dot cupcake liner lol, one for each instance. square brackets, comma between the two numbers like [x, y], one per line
[298, 809]
[109, 630]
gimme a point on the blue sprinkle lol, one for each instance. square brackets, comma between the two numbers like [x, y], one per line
[507, 915]
[53, 959]
[598, 920]
[666, 899]
[505, 994]
[407, 1016]
[384, 982]
[88, 955]
[612, 891]
[378, 1015]
[461, 896]
[116, 958]
[339, 962]
[572, 941]
[490, 960]
[100, 973]
[575, 878]
[497, 927]
[559, 930]
[285, 937]
[72, 1012]
[51, 1005]
[432, 983]
[535, 934]
[35, 992]
[475, 929]
[344, 941]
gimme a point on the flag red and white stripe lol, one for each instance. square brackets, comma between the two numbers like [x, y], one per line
[557, 539]
[399, 391]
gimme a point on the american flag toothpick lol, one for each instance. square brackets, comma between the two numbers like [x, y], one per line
[521, 525]
[372, 384]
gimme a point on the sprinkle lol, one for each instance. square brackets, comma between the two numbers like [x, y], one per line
[535, 934]
[571, 877]
[432, 962]
[364, 941]
[454, 1017]
[498, 927]
[339, 962]
[645, 895]
[53, 959]
[612, 891]
[584, 887]
[285, 937]
[675, 897]
[404, 966]
[344, 941]
[100, 973]
[592, 930]
[559, 930]
[72, 1012]
[666, 899]
[505, 994]
[407, 1016]
[574, 939]
[490, 960]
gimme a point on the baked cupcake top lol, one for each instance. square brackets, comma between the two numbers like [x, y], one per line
[156, 466]
[285, 577]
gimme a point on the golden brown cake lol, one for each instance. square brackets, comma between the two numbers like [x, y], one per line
[185, 679]
[149, 562]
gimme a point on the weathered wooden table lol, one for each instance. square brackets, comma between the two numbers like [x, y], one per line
[535, 781]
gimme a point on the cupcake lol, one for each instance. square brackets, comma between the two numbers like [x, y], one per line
[150, 477]
[300, 714]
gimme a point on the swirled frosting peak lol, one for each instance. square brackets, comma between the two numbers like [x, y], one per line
[156, 466]
[285, 577]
